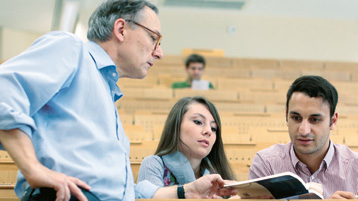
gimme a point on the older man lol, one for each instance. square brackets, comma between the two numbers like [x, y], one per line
[58, 118]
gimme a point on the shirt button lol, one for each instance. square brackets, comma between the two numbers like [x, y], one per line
[114, 74]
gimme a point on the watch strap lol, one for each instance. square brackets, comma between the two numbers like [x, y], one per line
[181, 192]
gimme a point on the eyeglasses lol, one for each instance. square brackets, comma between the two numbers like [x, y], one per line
[159, 36]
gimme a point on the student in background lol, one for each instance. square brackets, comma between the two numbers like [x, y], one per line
[194, 67]
[58, 120]
[190, 146]
[310, 115]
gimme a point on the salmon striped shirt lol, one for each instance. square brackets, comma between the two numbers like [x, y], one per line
[338, 170]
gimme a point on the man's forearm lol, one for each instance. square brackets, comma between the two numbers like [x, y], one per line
[20, 148]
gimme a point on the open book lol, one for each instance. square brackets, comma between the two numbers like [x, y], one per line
[200, 85]
[280, 186]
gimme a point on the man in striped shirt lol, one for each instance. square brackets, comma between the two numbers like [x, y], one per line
[310, 115]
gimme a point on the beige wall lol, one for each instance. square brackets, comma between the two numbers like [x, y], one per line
[1, 44]
[255, 36]
[260, 36]
[13, 42]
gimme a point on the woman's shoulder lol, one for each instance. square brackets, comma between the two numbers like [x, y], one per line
[152, 160]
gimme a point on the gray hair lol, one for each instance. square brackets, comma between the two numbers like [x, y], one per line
[101, 22]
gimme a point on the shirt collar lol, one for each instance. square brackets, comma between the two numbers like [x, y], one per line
[327, 159]
[330, 153]
[294, 159]
[105, 64]
[101, 58]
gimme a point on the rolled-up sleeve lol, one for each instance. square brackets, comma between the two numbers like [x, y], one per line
[29, 80]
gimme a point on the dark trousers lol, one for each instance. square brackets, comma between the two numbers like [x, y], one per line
[48, 194]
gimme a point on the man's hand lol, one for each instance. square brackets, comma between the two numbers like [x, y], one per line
[208, 186]
[21, 150]
[342, 195]
[61, 183]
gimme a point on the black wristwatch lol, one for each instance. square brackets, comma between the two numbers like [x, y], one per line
[181, 192]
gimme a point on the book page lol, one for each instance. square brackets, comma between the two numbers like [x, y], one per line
[200, 85]
[279, 186]
[253, 190]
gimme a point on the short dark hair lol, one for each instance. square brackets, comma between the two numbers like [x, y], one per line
[170, 139]
[315, 86]
[195, 58]
[101, 22]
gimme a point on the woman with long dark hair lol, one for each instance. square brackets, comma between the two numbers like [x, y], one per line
[190, 146]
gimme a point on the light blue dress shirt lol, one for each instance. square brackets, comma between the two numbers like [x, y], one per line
[61, 93]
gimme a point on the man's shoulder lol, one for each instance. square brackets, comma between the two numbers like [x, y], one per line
[345, 152]
[276, 150]
[211, 86]
[180, 85]
[63, 34]
[62, 37]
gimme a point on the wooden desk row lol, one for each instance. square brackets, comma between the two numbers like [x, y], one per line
[263, 63]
